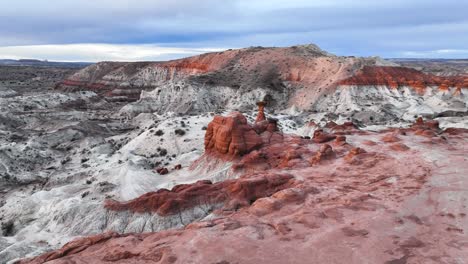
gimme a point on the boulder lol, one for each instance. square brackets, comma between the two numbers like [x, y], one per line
[321, 137]
[353, 153]
[162, 171]
[430, 124]
[326, 152]
[231, 135]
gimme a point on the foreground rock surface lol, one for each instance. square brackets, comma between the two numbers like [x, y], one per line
[355, 199]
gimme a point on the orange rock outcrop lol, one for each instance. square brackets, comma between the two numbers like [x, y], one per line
[321, 137]
[231, 135]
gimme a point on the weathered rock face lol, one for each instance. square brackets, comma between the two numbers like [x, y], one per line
[231, 135]
[395, 77]
[239, 192]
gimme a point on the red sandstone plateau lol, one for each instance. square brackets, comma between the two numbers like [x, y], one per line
[344, 196]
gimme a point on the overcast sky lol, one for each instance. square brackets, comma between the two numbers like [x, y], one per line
[95, 30]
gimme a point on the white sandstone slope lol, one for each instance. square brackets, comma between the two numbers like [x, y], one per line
[188, 98]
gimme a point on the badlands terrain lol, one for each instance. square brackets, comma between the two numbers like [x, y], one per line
[255, 155]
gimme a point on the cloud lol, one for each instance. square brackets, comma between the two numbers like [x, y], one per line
[99, 52]
[443, 53]
[367, 27]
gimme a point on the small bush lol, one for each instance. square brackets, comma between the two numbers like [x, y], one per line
[179, 132]
[65, 161]
[7, 228]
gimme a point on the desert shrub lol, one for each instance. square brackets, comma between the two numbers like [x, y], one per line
[179, 132]
[7, 228]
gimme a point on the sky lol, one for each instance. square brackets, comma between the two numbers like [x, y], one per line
[135, 30]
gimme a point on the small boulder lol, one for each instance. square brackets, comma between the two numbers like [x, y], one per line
[162, 171]
[321, 137]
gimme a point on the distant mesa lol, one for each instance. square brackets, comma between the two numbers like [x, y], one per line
[300, 73]
[43, 63]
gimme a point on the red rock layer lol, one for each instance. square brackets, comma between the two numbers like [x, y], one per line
[455, 131]
[74, 247]
[429, 128]
[395, 77]
[231, 135]
[238, 192]
[321, 137]
[100, 88]
[399, 147]
[191, 65]
[341, 129]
